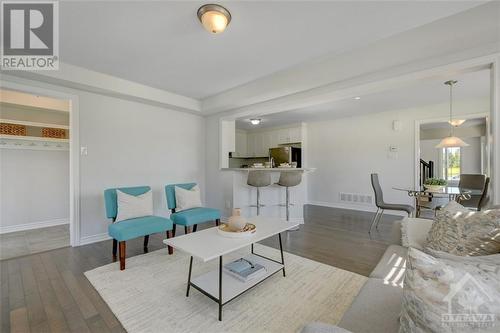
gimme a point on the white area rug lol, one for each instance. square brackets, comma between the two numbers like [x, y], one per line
[149, 296]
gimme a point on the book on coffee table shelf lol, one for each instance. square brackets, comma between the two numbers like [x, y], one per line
[244, 269]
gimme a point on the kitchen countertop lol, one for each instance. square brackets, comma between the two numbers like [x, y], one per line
[268, 169]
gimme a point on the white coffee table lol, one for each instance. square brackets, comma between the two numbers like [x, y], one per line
[208, 244]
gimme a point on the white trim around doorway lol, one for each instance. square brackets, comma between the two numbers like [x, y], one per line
[74, 162]
[444, 120]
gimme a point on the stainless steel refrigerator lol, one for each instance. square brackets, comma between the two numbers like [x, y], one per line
[286, 155]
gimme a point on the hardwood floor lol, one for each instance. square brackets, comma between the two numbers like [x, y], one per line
[47, 292]
[21, 243]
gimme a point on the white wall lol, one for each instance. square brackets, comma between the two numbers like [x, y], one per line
[35, 187]
[130, 143]
[471, 156]
[345, 151]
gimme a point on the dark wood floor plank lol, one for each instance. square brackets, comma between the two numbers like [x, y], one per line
[54, 312]
[105, 313]
[36, 312]
[16, 291]
[86, 307]
[29, 282]
[19, 321]
[75, 320]
[97, 325]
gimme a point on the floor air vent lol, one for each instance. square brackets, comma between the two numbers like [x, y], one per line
[356, 198]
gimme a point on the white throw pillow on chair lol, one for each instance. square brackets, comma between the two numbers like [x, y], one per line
[133, 206]
[187, 199]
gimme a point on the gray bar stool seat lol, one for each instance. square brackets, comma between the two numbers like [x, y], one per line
[258, 179]
[289, 179]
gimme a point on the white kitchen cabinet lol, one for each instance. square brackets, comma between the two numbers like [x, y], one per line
[283, 136]
[258, 143]
[295, 134]
[266, 143]
[274, 139]
[241, 144]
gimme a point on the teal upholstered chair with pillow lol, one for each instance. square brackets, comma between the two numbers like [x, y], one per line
[185, 203]
[131, 209]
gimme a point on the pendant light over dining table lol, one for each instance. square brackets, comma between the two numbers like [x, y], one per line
[451, 140]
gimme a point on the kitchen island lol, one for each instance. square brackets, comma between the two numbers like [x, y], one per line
[273, 196]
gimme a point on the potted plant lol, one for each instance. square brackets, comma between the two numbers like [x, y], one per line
[435, 184]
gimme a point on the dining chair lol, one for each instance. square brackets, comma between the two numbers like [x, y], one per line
[474, 182]
[129, 229]
[382, 205]
[189, 217]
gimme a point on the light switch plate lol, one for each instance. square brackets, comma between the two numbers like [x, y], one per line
[83, 151]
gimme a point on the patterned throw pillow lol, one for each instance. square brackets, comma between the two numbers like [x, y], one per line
[448, 293]
[466, 233]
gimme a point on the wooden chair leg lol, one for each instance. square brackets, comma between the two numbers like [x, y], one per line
[173, 230]
[122, 255]
[115, 248]
[146, 241]
[170, 235]
[195, 227]
[217, 222]
[186, 230]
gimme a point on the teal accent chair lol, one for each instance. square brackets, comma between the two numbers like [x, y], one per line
[189, 217]
[133, 228]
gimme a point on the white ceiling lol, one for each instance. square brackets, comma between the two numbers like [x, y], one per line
[471, 85]
[162, 44]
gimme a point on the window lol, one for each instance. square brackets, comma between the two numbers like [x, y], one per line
[451, 164]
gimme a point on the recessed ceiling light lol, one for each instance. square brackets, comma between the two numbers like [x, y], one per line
[255, 121]
[214, 18]
[357, 98]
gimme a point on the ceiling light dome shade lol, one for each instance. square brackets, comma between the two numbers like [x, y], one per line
[452, 141]
[456, 122]
[214, 18]
[255, 121]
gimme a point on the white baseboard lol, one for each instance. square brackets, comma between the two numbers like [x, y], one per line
[94, 238]
[362, 208]
[33, 225]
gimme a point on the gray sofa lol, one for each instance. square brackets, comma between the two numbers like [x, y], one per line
[378, 304]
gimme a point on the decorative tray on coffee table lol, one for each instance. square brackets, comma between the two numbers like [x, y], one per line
[247, 231]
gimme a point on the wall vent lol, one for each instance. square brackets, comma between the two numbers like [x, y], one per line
[356, 198]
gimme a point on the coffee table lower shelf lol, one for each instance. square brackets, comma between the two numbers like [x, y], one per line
[222, 287]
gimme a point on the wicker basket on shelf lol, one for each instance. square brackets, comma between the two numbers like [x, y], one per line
[12, 129]
[56, 133]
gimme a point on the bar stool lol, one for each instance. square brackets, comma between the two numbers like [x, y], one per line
[258, 179]
[287, 180]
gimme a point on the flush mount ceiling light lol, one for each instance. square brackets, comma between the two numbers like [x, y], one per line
[255, 121]
[214, 18]
[357, 98]
[456, 122]
[451, 140]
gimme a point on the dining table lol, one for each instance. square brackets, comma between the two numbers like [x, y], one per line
[451, 192]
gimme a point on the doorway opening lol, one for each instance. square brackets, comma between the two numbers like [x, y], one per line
[35, 171]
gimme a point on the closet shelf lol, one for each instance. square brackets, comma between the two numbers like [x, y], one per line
[33, 124]
[32, 138]
[32, 142]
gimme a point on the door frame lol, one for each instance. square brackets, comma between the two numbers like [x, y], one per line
[445, 119]
[74, 151]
